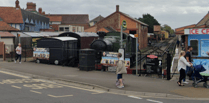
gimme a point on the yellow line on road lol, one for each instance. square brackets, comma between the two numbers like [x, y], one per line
[17, 75]
[35, 92]
[60, 96]
[16, 87]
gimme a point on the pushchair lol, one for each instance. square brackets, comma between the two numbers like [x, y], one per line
[197, 77]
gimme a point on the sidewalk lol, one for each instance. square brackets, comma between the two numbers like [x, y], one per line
[107, 79]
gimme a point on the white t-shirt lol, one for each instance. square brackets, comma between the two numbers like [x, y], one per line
[182, 63]
[19, 50]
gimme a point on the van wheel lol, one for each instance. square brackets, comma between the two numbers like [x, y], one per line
[37, 61]
[56, 62]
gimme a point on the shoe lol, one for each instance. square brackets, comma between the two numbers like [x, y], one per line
[120, 86]
[15, 61]
[186, 82]
[20, 62]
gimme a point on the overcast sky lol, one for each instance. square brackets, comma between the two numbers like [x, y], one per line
[176, 13]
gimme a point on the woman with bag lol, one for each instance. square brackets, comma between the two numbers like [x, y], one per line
[121, 69]
[182, 63]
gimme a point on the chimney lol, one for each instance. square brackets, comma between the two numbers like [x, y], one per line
[17, 4]
[117, 8]
[40, 10]
[31, 6]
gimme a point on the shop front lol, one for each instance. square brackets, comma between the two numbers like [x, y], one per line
[198, 38]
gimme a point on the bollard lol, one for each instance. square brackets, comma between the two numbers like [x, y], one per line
[168, 65]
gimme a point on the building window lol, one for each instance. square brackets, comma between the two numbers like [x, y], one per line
[66, 28]
[73, 29]
[61, 29]
[194, 44]
[26, 28]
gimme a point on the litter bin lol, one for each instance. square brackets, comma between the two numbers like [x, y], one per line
[87, 59]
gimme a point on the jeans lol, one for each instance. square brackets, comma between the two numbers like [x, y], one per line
[18, 56]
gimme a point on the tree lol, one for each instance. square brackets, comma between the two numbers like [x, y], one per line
[167, 28]
[150, 20]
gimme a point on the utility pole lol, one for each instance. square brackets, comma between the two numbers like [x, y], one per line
[121, 37]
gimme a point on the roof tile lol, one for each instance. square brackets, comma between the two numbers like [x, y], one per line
[55, 18]
[6, 34]
[6, 27]
[73, 18]
[11, 15]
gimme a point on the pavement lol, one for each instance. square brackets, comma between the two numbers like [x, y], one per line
[144, 86]
[16, 88]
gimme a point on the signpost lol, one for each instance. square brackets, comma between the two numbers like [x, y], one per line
[136, 35]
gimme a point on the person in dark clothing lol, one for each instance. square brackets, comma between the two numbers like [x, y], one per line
[177, 43]
[189, 59]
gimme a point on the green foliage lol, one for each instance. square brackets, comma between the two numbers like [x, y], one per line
[150, 20]
[167, 28]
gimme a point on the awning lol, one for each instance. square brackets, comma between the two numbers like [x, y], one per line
[35, 34]
[51, 34]
[20, 33]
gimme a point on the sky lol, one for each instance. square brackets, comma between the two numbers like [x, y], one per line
[175, 13]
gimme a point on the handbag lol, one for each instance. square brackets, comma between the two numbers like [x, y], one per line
[190, 72]
[123, 70]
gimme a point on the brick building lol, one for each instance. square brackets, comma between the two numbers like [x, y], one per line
[95, 20]
[68, 19]
[114, 22]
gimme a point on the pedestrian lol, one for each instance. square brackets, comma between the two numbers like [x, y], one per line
[18, 53]
[120, 70]
[182, 63]
[178, 42]
[189, 59]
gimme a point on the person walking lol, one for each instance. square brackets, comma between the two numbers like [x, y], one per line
[18, 53]
[189, 59]
[120, 70]
[182, 63]
[178, 42]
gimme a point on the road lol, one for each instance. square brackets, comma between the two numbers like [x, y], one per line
[15, 88]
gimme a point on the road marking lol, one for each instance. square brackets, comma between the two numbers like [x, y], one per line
[134, 97]
[98, 93]
[35, 92]
[71, 75]
[16, 87]
[60, 96]
[17, 75]
[150, 100]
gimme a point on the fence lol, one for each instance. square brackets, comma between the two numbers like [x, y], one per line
[27, 52]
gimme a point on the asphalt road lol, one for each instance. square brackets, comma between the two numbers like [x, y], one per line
[15, 88]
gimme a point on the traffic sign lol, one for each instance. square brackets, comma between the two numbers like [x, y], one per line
[124, 25]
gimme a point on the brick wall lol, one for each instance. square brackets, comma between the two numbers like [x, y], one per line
[131, 24]
[91, 29]
[111, 21]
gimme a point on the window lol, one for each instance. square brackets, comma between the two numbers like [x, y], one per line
[66, 28]
[73, 29]
[194, 44]
[61, 29]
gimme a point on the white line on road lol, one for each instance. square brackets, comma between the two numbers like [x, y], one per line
[35, 92]
[59, 96]
[17, 75]
[150, 100]
[134, 97]
[16, 87]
